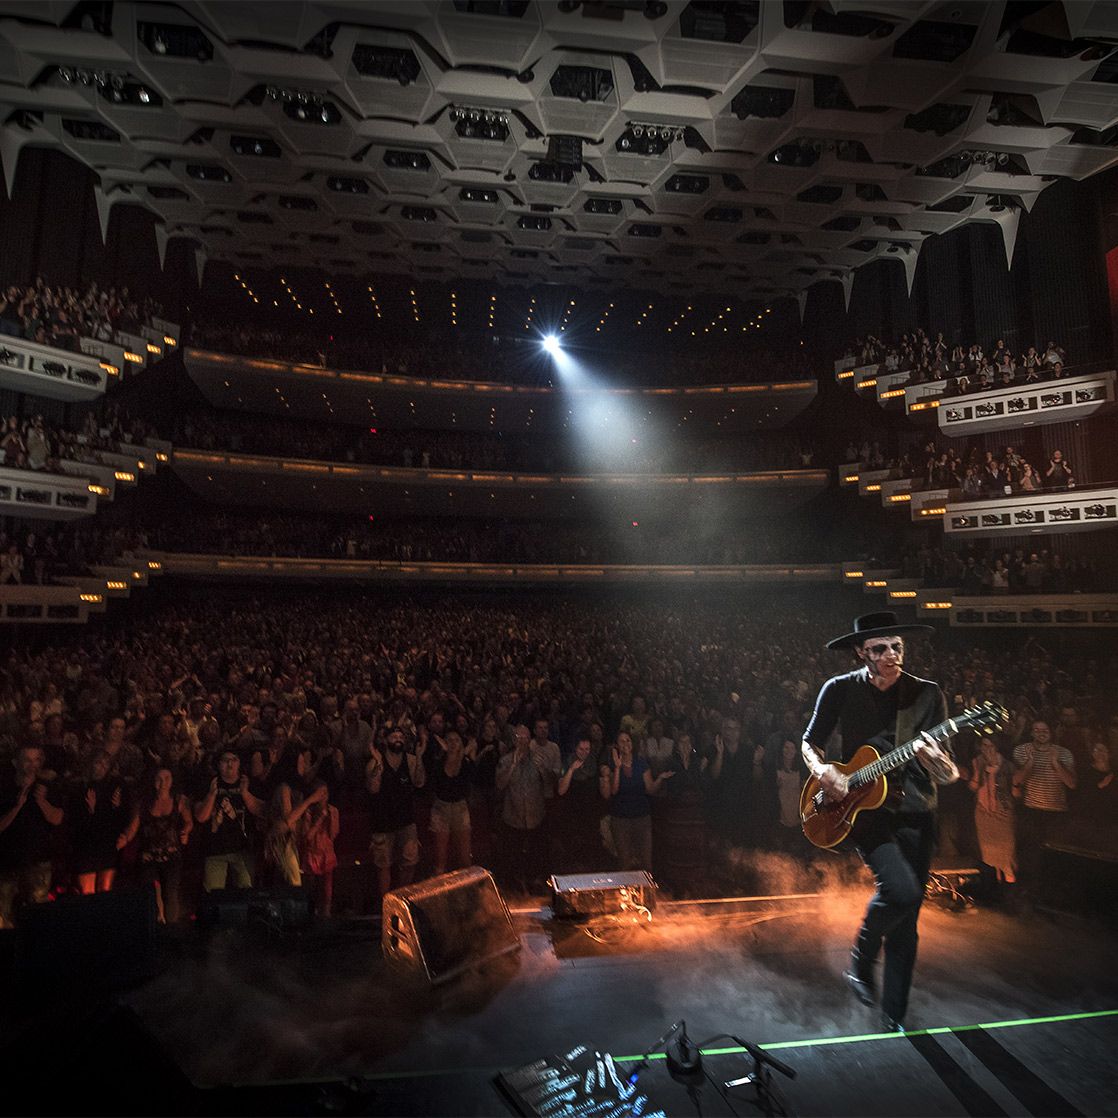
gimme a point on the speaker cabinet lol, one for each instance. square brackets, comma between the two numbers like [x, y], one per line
[105, 940]
[441, 927]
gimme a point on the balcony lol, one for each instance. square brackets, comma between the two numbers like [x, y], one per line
[45, 496]
[291, 390]
[1077, 610]
[48, 605]
[78, 597]
[315, 486]
[1046, 513]
[1053, 401]
[123, 467]
[272, 568]
[56, 374]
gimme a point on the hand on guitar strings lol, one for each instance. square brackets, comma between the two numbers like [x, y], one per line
[940, 766]
[834, 783]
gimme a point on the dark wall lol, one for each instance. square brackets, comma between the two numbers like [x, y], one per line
[49, 228]
[1056, 288]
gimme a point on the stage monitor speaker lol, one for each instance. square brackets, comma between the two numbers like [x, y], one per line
[565, 151]
[446, 925]
[613, 893]
[105, 940]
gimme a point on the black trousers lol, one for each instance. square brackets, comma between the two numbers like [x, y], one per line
[898, 848]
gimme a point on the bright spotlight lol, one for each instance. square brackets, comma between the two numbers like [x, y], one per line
[551, 344]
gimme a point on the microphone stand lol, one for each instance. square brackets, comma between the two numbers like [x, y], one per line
[767, 1101]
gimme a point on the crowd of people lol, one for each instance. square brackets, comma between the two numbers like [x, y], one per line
[423, 449]
[419, 539]
[965, 368]
[978, 572]
[498, 357]
[40, 553]
[979, 473]
[61, 316]
[35, 443]
[225, 742]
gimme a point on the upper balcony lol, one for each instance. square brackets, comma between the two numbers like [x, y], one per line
[1028, 400]
[46, 496]
[294, 390]
[61, 374]
[317, 486]
[56, 374]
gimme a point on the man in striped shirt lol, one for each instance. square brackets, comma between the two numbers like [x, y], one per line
[1045, 771]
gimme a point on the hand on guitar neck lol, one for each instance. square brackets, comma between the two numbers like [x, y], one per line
[936, 763]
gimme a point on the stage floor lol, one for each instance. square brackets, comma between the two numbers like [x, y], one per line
[245, 1019]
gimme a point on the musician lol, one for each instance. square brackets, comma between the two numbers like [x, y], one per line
[882, 705]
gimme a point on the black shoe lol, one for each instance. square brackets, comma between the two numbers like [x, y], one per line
[891, 1024]
[862, 988]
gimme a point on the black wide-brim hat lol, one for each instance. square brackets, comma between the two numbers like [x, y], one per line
[881, 624]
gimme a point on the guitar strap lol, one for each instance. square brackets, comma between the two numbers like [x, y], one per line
[905, 731]
[906, 710]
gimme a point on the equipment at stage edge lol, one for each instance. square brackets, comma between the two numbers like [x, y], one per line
[446, 925]
[604, 903]
[585, 1082]
[582, 1081]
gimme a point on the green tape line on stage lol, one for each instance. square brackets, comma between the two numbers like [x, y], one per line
[820, 1042]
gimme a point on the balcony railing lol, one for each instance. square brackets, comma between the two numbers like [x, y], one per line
[45, 496]
[291, 482]
[56, 374]
[1050, 512]
[1046, 610]
[272, 568]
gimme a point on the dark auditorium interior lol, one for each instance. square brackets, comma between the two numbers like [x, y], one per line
[589, 501]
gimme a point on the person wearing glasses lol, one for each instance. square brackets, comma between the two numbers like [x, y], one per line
[881, 704]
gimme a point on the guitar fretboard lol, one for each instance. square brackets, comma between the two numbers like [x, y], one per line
[901, 755]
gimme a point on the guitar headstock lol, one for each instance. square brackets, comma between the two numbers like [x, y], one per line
[986, 716]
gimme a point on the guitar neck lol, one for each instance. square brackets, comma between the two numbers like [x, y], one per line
[901, 755]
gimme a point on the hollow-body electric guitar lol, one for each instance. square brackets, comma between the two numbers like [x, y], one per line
[826, 824]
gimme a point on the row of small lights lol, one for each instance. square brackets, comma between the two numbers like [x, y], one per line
[713, 324]
[245, 286]
[294, 299]
[679, 318]
[677, 322]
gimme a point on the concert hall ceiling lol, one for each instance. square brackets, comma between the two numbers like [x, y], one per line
[752, 148]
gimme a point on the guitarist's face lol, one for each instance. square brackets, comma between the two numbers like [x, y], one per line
[883, 657]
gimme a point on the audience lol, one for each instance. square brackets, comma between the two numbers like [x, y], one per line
[964, 368]
[208, 734]
[62, 316]
[405, 540]
[977, 472]
[423, 449]
[35, 443]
